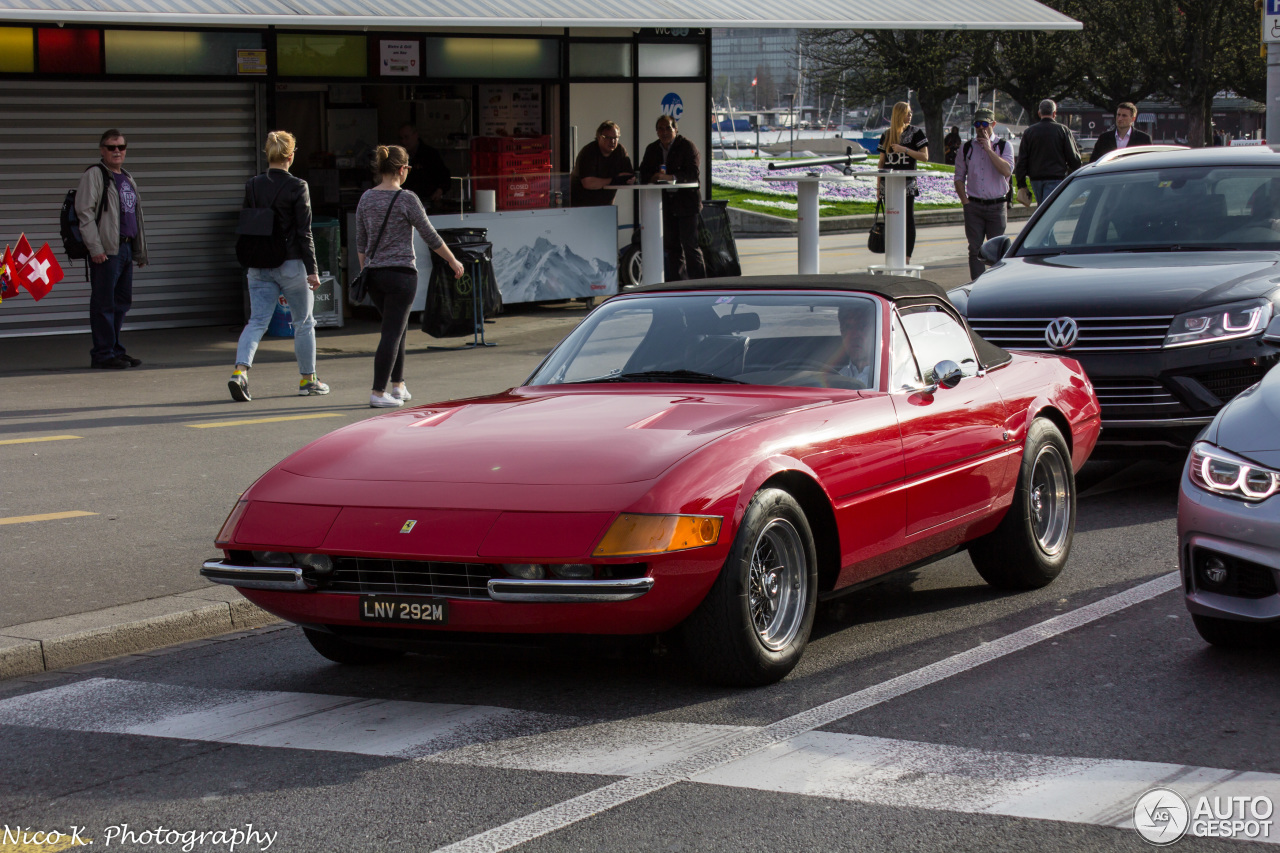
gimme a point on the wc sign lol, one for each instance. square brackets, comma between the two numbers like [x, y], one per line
[674, 107]
[1271, 21]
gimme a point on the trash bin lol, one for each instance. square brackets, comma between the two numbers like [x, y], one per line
[456, 237]
[452, 302]
[327, 308]
[281, 325]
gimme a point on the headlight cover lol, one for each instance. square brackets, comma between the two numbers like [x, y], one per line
[1215, 470]
[633, 533]
[1220, 323]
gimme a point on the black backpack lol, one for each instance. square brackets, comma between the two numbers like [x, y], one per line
[69, 223]
[1000, 146]
[260, 242]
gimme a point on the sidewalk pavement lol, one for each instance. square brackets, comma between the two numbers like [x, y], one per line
[211, 610]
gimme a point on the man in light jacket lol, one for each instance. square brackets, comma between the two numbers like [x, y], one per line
[111, 225]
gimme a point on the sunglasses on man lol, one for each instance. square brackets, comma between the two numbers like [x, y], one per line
[122, 146]
[982, 124]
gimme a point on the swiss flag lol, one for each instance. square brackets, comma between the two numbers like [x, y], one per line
[41, 273]
[753, 81]
[10, 279]
[23, 251]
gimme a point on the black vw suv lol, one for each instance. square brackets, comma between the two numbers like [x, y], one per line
[1159, 270]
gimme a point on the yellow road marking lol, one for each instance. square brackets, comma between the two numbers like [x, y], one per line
[44, 438]
[48, 516]
[267, 420]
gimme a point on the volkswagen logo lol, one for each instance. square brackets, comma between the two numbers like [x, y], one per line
[1062, 333]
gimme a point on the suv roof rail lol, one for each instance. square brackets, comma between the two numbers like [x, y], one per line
[1118, 153]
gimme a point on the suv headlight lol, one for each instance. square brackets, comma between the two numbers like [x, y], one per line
[1215, 470]
[1222, 323]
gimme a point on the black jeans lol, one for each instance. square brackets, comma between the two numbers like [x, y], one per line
[391, 289]
[680, 245]
[110, 297]
[911, 225]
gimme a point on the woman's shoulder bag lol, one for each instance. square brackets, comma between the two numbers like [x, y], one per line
[260, 239]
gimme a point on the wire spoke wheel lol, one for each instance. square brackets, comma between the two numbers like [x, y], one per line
[1050, 500]
[778, 584]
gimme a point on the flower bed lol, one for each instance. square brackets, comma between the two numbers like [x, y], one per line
[742, 183]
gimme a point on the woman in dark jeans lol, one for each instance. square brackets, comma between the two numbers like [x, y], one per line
[393, 274]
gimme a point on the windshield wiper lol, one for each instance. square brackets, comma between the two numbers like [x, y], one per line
[661, 376]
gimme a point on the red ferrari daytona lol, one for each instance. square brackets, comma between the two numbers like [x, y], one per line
[709, 457]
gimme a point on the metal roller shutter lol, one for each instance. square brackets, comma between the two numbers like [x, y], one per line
[191, 148]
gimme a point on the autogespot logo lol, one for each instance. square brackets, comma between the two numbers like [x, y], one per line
[1062, 333]
[1161, 816]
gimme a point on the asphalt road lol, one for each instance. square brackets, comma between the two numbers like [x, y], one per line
[929, 712]
[941, 723]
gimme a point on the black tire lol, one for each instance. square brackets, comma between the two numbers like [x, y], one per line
[1031, 545]
[630, 269]
[1234, 633]
[747, 634]
[339, 650]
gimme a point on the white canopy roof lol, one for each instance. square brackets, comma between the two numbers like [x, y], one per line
[803, 14]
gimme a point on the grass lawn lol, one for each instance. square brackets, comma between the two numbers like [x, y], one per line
[762, 203]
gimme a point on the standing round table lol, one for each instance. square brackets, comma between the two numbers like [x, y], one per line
[651, 226]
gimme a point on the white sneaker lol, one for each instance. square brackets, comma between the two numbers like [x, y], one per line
[384, 401]
[401, 393]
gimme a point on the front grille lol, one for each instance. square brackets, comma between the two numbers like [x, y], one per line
[1097, 334]
[411, 577]
[1225, 384]
[1136, 397]
[1245, 579]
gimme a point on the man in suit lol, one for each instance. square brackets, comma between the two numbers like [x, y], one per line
[675, 159]
[1123, 135]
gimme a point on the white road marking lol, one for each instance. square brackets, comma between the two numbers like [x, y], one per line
[570, 811]
[954, 779]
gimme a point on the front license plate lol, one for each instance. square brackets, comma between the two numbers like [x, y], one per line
[406, 609]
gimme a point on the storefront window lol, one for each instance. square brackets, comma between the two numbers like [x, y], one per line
[158, 52]
[600, 60]
[671, 60]
[68, 51]
[17, 50]
[483, 57]
[301, 55]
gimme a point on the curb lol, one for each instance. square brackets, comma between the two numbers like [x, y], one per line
[65, 641]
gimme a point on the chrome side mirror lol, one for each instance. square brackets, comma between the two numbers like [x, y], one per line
[946, 374]
[994, 249]
[1272, 334]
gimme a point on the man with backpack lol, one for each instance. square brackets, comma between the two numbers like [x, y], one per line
[982, 182]
[111, 226]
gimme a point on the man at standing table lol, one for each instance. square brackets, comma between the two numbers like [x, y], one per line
[983, 166]
[1047, 154]
[1122, 135]
[111, 225]
[601, 164]
[675, 159]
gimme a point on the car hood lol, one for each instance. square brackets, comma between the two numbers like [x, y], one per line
[577, 437]
[1250, 423]
[1120, 284]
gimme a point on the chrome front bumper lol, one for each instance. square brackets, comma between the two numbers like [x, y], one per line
[255, 577]
[567, 591]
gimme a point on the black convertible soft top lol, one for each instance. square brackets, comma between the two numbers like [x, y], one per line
[903, 291]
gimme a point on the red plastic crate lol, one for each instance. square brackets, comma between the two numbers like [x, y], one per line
[511, 144]
[519, 193]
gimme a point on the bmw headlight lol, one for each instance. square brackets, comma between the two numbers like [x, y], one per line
[1215, 470]
[1222, 323]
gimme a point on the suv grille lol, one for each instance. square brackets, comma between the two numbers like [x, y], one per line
[1136, 397]
[1097, 334]
[411, 577]
[1225, 384]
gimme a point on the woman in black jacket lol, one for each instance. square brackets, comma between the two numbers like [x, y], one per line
[901, 147]
[295, 279]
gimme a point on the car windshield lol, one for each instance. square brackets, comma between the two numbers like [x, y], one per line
[1204, 208]
[790, 339]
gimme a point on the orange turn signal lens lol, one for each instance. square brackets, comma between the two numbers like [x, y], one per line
[634, 534]
[226, 534]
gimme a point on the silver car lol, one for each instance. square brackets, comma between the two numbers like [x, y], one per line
[1229, 518]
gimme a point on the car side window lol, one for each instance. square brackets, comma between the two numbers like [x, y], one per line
[937, 336]
[903, 372]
